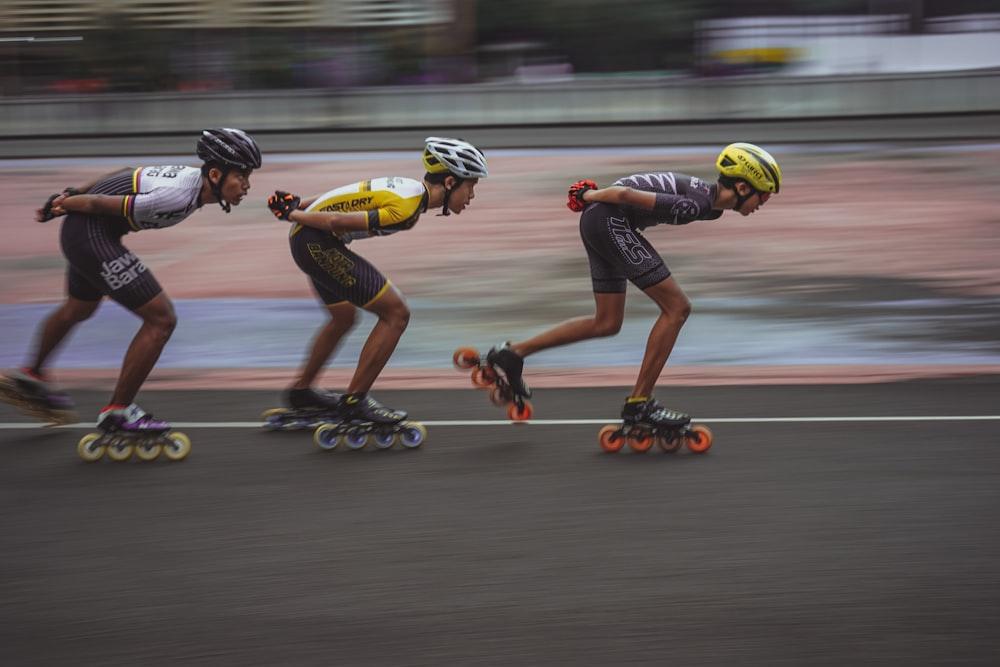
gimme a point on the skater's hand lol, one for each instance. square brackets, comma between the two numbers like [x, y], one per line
[53, 205]
[575, 196]
[282, 204]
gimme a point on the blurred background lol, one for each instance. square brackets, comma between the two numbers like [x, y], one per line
[885, 115]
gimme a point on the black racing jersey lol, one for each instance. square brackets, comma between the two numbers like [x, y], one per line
[153, 197]
[393, 204]
[680, 199]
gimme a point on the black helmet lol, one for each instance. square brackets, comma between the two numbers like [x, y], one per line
[229, 147]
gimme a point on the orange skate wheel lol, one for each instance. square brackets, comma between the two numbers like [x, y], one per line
[517, 414]
[700, 439]
[496, 397]
[465, 358]
[611, 438]
[483, 376]
[640, 443]
[670, 445]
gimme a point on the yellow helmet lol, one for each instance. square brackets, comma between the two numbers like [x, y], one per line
[752, 164]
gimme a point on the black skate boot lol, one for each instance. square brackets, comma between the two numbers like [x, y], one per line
[360, 419]
[512, 365]
[124, 430]
[650, 413]
[646, 421]
[306, 408]
[364, 408]
[311, 399]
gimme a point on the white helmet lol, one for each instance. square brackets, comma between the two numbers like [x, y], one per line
[454, 156]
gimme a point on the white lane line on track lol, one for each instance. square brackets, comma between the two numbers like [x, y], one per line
[572, 422]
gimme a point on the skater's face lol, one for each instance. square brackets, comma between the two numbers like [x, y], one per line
[752, 203]
[462, 195]
[235, 186]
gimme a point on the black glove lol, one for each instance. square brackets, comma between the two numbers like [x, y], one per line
[45, 213]
[282, 204]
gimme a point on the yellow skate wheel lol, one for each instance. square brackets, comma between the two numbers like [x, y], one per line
[177, 446]
[326, 438]
[148, 451]
[611, 438]
[119, 450]
[88, 449]
[412, 435]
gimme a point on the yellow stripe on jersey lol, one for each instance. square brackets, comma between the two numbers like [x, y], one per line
[126, 202]
[135, 180]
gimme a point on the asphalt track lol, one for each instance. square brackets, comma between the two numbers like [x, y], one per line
[796, 540]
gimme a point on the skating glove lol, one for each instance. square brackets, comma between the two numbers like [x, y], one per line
[45, 213]
[282, 204]
[575, 200]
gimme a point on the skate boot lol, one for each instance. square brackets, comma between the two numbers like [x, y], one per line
[35, 397]
[306, 408]
[500, 370]
[128, 429]
[361, 418]
[645, 421]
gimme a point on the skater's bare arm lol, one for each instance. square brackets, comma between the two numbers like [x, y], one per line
[54, 207]
[308, 201]
[90, 204]
[336, 223]
[621, 195]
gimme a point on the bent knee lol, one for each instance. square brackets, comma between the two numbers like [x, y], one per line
[162, 320]
[78, 311]
[398, 317]
[605, 328]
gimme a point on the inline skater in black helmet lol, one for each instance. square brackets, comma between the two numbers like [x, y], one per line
[98, 215]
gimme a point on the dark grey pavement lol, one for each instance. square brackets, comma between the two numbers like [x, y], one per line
[790, 543]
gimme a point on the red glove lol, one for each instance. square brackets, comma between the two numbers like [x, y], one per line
[575, 201]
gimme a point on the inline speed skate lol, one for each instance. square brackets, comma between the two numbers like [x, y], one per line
[361, 419]
[131, 430]
[499, 370]
[646, 422]
[34, 397]
[306, 408]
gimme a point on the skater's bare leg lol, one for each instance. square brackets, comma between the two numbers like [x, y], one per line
[607, 321]
[674, 311]
[57, 327]
[393, 316]
[158, 322]
[342, 319]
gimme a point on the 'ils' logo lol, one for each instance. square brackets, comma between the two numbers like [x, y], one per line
[627, 241]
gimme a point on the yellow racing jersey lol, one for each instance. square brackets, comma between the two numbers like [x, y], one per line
[393, 204]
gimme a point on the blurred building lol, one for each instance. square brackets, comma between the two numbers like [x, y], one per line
[849, 45]
[136, 45]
